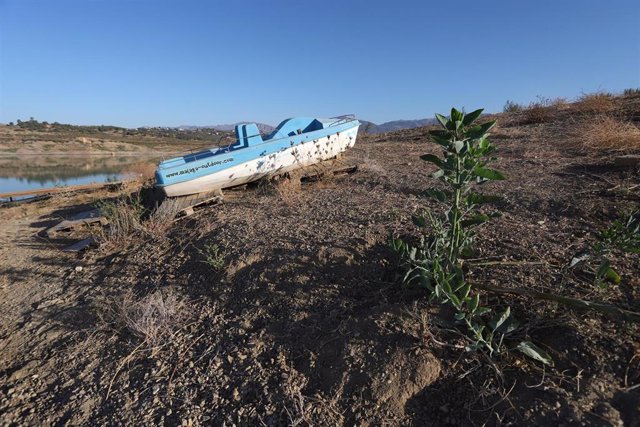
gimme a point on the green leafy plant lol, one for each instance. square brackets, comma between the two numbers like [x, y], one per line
[436, 262]
[213, 256]
[622, 235]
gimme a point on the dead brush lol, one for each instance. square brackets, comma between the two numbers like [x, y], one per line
[559, 103]
[536, 112]
[150, 318]
[607, 133]
[161, 220]
[595, 103]
[540, 111]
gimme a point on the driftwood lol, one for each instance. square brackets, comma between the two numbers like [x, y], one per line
[77, 220]
[578, 304]
[80, 246]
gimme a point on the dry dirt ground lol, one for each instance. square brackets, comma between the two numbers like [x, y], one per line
[299, 317]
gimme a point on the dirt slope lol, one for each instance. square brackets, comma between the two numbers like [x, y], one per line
[304, 321]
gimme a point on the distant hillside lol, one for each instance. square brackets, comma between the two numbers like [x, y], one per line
[372, 128]
[262, 127]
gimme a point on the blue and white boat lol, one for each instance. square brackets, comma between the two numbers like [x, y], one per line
[295, 143]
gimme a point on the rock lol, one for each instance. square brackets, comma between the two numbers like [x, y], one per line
[78, 268]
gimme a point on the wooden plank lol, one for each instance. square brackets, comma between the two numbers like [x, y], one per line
[343, 170]
[173, 207]
[77, 220]
[79, 246]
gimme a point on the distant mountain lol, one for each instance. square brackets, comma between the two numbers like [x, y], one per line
[372, 128]
[262, 127]
[367, 127]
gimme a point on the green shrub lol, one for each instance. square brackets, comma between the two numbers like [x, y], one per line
[213, 256]
[436, 261]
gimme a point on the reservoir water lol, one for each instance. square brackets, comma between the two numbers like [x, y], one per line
[34, 172]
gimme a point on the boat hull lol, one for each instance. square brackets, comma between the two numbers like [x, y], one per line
[295, 157]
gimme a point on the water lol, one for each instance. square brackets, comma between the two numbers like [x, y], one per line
[25, 173]
[13, 184]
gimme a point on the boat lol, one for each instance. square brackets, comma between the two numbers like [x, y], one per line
[295, 143]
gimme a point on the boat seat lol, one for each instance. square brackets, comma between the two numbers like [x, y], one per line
[247, 135]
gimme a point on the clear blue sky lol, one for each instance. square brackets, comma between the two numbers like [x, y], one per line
[167, 63]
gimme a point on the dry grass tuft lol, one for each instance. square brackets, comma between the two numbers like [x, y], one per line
[610, 134]
[288, 188]
[151, 318]
[161, 220]
[540, 111]
[124, 214]
[595, 103]
[303, 410]
[129, 219]
[559, 103]
[543, 109]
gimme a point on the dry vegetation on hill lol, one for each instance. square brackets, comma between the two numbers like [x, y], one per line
[33, 137]
[284, 304]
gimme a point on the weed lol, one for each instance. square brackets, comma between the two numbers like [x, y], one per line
[623, 235]
[631, 92]
[436, 262]
[213, 256]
